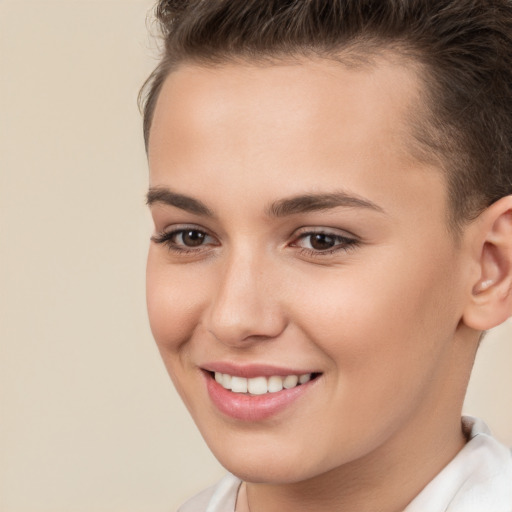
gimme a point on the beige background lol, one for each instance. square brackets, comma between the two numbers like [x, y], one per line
[89, 421]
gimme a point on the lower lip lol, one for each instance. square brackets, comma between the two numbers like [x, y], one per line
[245, 407]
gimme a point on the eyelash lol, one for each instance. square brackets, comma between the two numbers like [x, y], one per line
[344, 243]
[166, 238]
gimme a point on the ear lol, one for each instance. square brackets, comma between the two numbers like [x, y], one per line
[490, 303]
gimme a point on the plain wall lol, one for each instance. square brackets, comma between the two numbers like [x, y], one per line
[89, 421]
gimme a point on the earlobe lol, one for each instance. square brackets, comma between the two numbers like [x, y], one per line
[490, 303]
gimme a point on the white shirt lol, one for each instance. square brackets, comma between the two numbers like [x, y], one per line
[478, 479]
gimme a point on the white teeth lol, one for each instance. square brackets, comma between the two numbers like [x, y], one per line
[257, 386]
[238, 384]
[305, 378]
[226, 381]
[290, 381]
[260, 385]
[275, 384]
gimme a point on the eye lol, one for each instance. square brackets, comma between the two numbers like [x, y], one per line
[320, 241]
[190, 238]
[323, 242]
[187, 239]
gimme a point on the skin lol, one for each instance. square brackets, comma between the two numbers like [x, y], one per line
[382, 319]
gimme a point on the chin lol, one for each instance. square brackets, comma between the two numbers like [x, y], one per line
[273, 472]
[259, 462]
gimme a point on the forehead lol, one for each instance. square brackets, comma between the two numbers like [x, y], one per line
[301, 120]
[382, 95]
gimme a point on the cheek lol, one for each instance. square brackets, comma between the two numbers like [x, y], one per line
[381, 332]
[174, 299]
[381, 319]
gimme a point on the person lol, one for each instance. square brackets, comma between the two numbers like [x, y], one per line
[330, 184]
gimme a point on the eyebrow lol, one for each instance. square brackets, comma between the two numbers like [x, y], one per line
[317, 202]
[282, 208]
[160, 195]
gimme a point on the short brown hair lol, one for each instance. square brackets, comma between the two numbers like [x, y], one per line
[464, 47]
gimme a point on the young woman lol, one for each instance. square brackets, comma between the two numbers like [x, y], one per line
[330, 186]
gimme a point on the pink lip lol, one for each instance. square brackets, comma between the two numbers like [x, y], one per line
[245, 407]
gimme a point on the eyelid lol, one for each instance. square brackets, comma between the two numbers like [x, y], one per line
[174, 228]
[324, 230]
[337, 233]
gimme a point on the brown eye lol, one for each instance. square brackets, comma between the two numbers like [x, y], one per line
[192, 237]
[321, 242]
[186, 240]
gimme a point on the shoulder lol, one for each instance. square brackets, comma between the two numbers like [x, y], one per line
[218, 498]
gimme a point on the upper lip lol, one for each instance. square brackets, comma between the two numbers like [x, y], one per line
[252, 370]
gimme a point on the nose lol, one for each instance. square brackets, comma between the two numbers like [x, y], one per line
[245, 307]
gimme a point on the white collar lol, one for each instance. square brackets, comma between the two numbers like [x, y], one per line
[478, 479]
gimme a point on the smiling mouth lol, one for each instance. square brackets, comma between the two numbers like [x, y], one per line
[261, 385]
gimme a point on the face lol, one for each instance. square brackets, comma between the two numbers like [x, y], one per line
[298, 243]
